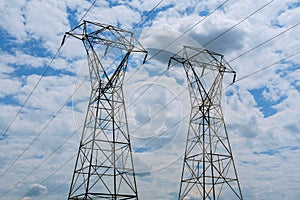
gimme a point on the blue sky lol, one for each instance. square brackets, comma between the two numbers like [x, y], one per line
[261, 111]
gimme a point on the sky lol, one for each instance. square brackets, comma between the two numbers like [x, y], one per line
[39, 138]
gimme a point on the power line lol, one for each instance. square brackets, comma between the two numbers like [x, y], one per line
[165, 106]
[192, 27]
[238, 23]
[60, 186]
[42, 76]
[143, 92]
[57, 188]
[264, 68]
[182, 34]
[53, 173]
[266, 41]
[87, 11]
[30, 94]
[163, 132]
[145, 16]
[38, 166]
[41, 131]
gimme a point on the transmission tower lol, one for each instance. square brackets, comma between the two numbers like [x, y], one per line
[104, 166]
[208, 168]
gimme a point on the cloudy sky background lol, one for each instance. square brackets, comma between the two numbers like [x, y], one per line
[38, 149]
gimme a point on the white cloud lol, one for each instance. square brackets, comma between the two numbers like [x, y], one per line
[289, 17]
[10, 86]
[37, 190]
[119, 14]
[12, 18]
[42, 16]
[21, 58]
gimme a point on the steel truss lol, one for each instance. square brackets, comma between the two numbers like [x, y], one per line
[104, 166]
[208, 171]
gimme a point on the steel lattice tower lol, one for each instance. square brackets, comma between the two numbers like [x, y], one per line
[208, 169]
[104, 166]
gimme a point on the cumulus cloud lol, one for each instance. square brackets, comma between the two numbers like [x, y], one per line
[164, 43]
[13, 25]
[37, 190]
[233, 40]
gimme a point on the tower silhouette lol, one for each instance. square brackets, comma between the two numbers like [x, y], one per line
[208, 171]
[104, 166]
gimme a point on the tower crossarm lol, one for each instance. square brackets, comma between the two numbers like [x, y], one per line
[106, 35]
